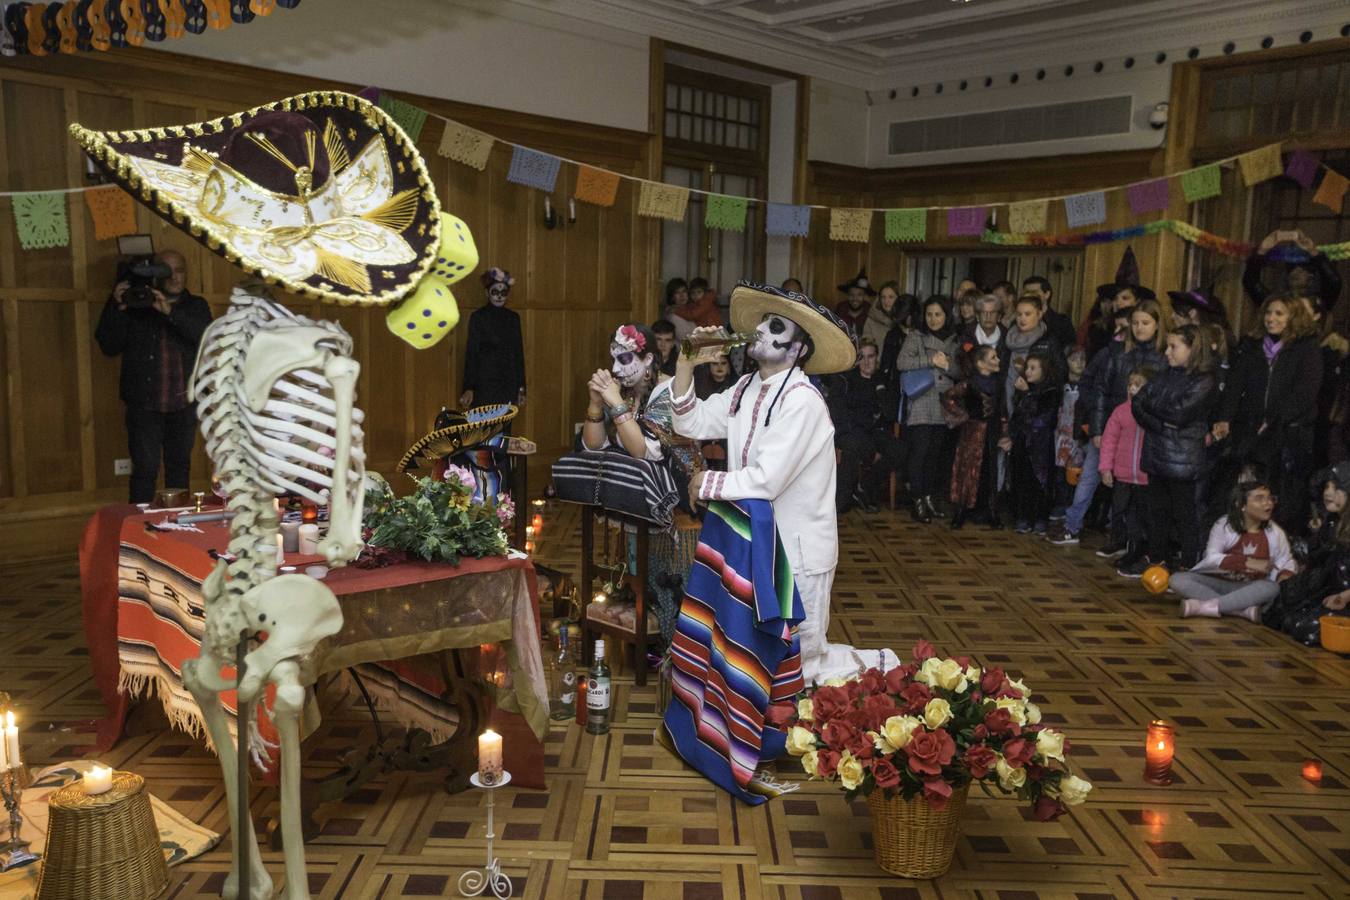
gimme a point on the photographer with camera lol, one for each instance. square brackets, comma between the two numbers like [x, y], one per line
[155, 325]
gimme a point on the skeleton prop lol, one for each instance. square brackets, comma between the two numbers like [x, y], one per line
[323, 195]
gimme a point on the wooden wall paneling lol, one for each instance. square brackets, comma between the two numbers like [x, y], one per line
[47, 375]
[34, 130]
[622, 238]
[9, 470]
[16, 485]
[81, 237]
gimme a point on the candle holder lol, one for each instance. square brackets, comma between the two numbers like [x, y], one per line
[1158, 752]
[491, 877]
[1312, 771]
[16, 852]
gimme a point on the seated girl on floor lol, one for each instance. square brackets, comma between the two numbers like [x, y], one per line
[1246, 558]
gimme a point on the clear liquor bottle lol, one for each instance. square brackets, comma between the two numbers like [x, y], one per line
[562, 694]
[692, 345]
[597, 693]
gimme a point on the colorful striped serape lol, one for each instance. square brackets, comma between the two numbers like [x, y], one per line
[735, 650]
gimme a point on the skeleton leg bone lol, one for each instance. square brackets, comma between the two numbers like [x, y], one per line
[290, 699]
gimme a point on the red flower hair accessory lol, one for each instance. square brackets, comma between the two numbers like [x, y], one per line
[629, 338]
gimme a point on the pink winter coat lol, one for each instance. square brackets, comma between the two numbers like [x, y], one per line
[1122, 442]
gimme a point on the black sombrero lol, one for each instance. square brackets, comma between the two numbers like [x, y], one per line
[456, 431]
[834, 351]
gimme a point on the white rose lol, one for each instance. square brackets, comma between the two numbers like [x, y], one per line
[800, 740]
[974, 673]
[1033, 713]
[1016, 708]
[950, 676]
[850, 771]
[835, 682]
[927, 673]
[896, 733]
[1050, 744]
[1073, 790]
[937, 713]
[805, 710]
[1009, 779]
[811, 763]
[1020, 688]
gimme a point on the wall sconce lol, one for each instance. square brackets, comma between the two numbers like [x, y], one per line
[1157, 117]
[550, 217]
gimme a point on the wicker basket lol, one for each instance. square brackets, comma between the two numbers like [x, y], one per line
[910, 838]
[104, 847]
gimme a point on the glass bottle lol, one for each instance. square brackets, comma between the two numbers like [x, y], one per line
[562, 695]
[695, 343]
[597, 693]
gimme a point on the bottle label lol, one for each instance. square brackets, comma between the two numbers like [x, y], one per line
[569, 698]
[597, 694]
[569, 677]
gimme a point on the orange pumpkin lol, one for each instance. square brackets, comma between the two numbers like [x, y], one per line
[1155, 579]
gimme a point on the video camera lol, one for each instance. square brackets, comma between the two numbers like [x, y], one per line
[139, 269]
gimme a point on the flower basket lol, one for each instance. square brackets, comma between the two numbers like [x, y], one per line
[910, 838]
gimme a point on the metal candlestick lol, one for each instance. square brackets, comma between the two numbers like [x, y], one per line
[477, 881]
[16, 852]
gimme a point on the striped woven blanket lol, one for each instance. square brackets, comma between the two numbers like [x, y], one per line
[735, 650]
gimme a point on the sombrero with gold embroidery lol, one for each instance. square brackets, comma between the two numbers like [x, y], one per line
[455, 431]
[321, 194]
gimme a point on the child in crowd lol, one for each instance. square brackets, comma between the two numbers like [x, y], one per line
[1174, 411]
[1068, 449]
[1246, 558]
[1031, 441]
[1122, 448]
[975, 402]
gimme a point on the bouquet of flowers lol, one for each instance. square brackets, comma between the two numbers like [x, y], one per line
[438, 522]
[930, 727]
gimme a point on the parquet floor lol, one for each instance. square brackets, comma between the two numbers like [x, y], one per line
[623, 819]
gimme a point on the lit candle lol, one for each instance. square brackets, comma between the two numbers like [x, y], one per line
[490, 757]
[529, 546]
[281, 546]
[4, 756]
[98, 780]
[13, 759]
[310, 513]
[309, 540]
[1312, 770]
[600, 597]
[538, 523]
[529, 531]
[1158, 753]
[539, 502]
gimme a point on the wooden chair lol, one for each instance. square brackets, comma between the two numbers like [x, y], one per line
[631, 625]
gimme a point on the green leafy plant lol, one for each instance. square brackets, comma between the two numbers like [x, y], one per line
[437, 522]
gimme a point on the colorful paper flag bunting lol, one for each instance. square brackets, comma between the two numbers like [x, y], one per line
[113, 211]
[1260, 165]
[407, 116]
[534, 169]
[906, 225]
[787, 220]
[662, 201]
[40, 219]
[1028, 216]
[1201, 183]
[966, 220]
[596, 186]
[725, 213]
[465, 145]
[851, 225]
[1148, 196]
[1331, 192]
[1302, 167]
[1085, 209]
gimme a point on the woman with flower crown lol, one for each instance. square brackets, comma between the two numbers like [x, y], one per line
[630, 406]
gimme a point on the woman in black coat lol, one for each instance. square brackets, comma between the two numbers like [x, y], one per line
[1269, 406]
[1174, 411]
[1143, 347]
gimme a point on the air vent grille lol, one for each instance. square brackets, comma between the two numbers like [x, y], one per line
[1055, 122]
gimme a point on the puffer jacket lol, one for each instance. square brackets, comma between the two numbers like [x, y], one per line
[1112, 385]
[1174, 411]
[917, 353]
[1122, 447]
[1279, 395]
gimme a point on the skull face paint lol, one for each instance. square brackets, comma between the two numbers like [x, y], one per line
[631, 364]
[780, 341]
[497, 294]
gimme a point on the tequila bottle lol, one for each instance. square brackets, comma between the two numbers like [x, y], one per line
[562, 695]
[695, 343]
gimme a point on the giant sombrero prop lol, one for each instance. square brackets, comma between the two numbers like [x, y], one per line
[456, 431]
[834, 351]
[321, 194]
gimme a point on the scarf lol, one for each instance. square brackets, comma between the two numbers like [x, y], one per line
[1271, 348]
[984, 340]
[1020, 341]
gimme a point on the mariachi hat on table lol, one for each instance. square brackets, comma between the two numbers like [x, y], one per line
[455, 431]
[834, 351]
[859, 281]
[321, 194]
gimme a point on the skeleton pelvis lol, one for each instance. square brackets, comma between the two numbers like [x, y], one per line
[296, 612]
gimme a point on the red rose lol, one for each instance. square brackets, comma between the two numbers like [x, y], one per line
[860, 745]
[873, 682]
[896, 679]
[937, 792]
[1018, 752]
[885, 773]
[1048, 808]
[837, 734]
[980, 732]
[929, 751]
[962, 661]
[826, 762]
[923, 650]
[828, 703]
[780, 715]
[992, 680]
[916, 697]
[878, 708]
[1035, 772]
[980, 760]
[853, 690]
[1000, 721]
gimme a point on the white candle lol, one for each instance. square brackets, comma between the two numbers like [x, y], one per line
[13, 759]
[548, 207]
[4, 756]
[572, 208]
[490, 757]
[290, 534]
[98, 780]
[309, 539]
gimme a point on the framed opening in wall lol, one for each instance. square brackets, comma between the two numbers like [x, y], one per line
[939, 272]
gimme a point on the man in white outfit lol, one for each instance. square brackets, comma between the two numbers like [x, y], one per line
[780, 448]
